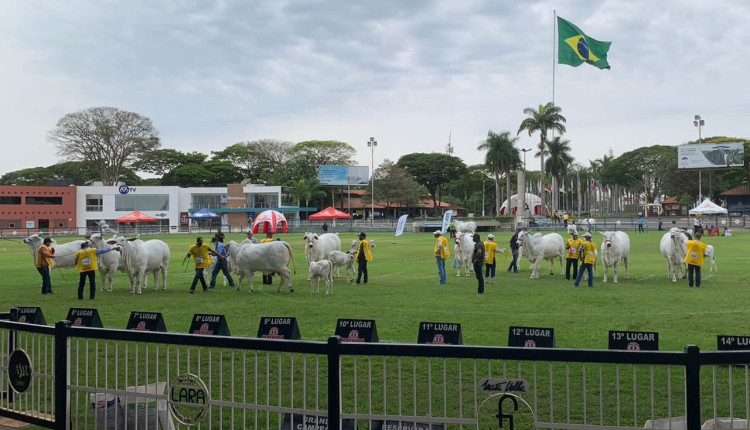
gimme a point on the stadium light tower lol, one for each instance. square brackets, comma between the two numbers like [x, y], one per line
[372, 143]
[449, 151]
[698, 122]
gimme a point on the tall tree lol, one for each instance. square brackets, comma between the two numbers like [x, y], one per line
[433, 171]
[395, 187]
[543, 119]
[501, 156]
[325, 152]
[161, 161]
[110, 138]
[307, 189]
[557, 165]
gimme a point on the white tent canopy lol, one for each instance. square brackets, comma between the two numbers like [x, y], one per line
[708, 208]
[533, 202]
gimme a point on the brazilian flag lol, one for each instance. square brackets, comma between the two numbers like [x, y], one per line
[575, 48]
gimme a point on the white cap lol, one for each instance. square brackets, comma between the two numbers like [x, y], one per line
[574, 233]
[490, 236]
[587, 234]
[437, 232]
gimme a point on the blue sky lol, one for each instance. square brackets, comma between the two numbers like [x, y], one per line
[213, 73]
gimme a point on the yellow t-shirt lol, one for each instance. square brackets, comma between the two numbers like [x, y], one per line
[87, 260]
[442, 252]
[200, 255]
[589, 252]
[40, 257]
[267, 240]
[490, 248]
[695, 251]
[572, 248]
[364, 245]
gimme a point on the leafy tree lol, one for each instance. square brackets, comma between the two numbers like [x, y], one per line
[543, 119]
[470, 189]
[292, 170]
[557, 165]
[31, 176]
[222, 173]
[395, 187]
[307, 189]
[161, 161]
[433, 171]
[77, 172]
[267, 155]
[324, 152]
[501, 156]
[208, 174]
[109, 138]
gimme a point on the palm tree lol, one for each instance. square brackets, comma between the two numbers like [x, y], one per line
[307, 189]
[557, 164]
[543, 119]
[501, 156]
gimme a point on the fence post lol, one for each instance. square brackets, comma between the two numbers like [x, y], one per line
[334, 383]
[693, 387]
[62, 375]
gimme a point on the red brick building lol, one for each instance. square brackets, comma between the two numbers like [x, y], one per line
[37, 207]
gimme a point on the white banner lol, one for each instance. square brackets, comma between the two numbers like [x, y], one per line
[710, 155]
[400, 225]
[446, 220]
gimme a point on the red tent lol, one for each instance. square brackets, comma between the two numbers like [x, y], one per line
[330, 213]
[136, 216]
[268, 221]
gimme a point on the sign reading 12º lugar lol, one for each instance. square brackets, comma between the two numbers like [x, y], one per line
[531, 337]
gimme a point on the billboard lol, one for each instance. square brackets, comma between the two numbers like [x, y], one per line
[344, 175]
[710, 155]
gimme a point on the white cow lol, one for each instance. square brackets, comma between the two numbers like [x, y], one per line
[538, 248]
[615, 248]
[108, 262]
[318, 247]
[64, 254]
[710, 255]
[343, 259]
[268, 258]
[139, 258]
[673, 248]
[465, 227]
[583, 224]
[462, 250]
[321, 269]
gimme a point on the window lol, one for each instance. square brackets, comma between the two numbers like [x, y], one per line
[14, 200]
[200, 201]
[43, 200]
[156, 202]
[263, 200]
[94, 203]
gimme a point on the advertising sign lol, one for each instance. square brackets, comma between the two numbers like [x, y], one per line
[343, 175]
[710, 155]
[358, 175]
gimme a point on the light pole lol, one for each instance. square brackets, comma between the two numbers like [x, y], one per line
[449, 151]
[523, 202]
[699, 123]
[372, 143]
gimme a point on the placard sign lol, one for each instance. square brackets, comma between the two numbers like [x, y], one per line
[188, 399]
[356, 330]
[634, 340]
[31, 315]
[19, 371]
[440, 333]
[405, 425]
[278, 328]
[80, 317]
[208, 324]
[531, 337]
[733, 343]
[146, 321]
[312, 422]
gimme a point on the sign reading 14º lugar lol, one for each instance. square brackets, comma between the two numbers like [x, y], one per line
[733, 343]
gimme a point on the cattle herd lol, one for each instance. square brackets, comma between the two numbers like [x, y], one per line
[138, 258]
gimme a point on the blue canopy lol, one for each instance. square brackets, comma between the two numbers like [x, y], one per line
[204, 214]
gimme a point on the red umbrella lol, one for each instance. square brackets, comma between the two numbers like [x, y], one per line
[330, 213]
[136, 216]
[268, 221]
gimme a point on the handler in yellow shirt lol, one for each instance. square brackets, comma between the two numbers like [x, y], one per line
[87, 263]
[571, 251]
[363, 255]
[490, 249]
[44, 256]
[694, 259]
[201, 254]
[441, 253]
[588, 253]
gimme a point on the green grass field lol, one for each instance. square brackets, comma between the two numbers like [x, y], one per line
[403, 290]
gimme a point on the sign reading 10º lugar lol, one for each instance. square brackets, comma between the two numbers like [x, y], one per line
[356, 330]
[634, 340]
[733, 343]
[439, 333]
[531, 337]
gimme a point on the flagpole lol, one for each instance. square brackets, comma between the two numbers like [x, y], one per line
[554, 49]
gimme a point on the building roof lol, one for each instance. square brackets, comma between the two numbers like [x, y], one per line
[742, 190]
[670, 201]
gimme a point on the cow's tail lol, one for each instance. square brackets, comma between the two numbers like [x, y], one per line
[291, 256]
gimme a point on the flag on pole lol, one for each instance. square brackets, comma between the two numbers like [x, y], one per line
[574, 47]
[446, 220]
[400, 225]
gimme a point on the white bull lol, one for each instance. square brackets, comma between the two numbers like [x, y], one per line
[343, 259]
[462, 250]
[316, 271]
[710, 255]
[465, 227]
[64, 253]
[267, 258]
[108, 262]
[674, 249]
[615, 248]
[318, 247]
[538, 248]
[140, 258]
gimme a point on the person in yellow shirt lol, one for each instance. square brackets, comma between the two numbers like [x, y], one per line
[490, 249]
[44, 256]
[268, 279]
[87, 263]
[696, 250]
[571, 251]
[363, 255]
[201, 254]
[587, 252]
[441, 253]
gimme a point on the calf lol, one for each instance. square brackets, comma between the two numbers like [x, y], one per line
[321, 269]
[462, 250]
[108, 262]
[343, 259]
[615, 248]
[710, 255]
